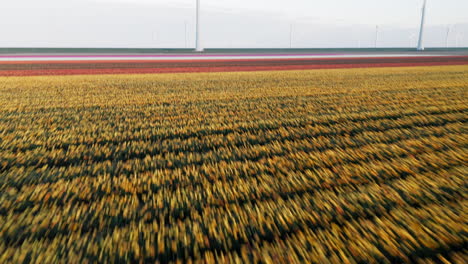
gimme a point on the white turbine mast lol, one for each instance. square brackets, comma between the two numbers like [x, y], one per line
[447, 36]
[376, 36]
[185, 34]
[198, 46]
[421, 31]
[290, 35]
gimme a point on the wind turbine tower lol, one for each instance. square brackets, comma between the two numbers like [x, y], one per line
[198, 46]
[447, 37]
[376, 36]
[290, 35]
[421, 31]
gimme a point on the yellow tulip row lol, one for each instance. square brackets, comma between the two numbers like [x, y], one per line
[329, 166]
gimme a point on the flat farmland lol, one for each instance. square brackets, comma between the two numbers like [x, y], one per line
[322, 166]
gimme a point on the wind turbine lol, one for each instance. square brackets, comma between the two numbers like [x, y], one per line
[421, 31]
[290, 35]
[376, 35]
[198, 46]
[185, 33]
[447, 36]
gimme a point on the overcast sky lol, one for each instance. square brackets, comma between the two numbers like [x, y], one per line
[229, 23]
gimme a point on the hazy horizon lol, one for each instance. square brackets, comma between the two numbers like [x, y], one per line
[230, 24]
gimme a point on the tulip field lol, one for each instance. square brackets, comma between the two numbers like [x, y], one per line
[301, 166]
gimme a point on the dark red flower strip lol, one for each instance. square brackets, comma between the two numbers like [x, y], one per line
[219, 66]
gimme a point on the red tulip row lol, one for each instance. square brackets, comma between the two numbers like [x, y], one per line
[133, 67]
